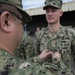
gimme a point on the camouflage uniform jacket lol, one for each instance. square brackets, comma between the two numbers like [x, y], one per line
[15, 64]
[63, 41]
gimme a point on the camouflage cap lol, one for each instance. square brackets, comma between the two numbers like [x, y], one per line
[18, 5]
[53, 3]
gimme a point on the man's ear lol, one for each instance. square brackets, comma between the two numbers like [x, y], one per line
[61, 13]
[5, 21]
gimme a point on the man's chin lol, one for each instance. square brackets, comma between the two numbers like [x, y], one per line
[51, 23]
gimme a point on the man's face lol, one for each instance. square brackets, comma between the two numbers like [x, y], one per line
[11, 27]
[18, 30]
[53, 15]
[38, 29]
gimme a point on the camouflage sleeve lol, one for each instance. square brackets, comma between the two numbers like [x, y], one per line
[71, 33]
[73, 52]
[73, 44]
[10, 65]
[29, 49]
[32, 50]
[26, 49]
[73, 48]
[37, 44]
[32, 69]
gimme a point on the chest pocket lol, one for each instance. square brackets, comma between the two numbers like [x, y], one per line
[62, 44]
[65, 45]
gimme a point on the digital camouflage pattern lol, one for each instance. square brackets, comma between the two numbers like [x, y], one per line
[13, 64]
[23, 61]
[18, 5]
[54, 3]
[63, 42]
[10, 65]
[26, 49]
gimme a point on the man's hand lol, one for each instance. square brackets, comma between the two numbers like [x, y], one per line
[56, 55]
[44, 54]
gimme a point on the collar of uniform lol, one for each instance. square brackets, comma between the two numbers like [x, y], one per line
[59, 31]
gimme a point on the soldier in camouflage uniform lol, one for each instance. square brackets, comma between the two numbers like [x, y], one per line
[37, 31]
[12, 20]
[56, 44]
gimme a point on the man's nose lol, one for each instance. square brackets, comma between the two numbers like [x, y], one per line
[50, 12]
